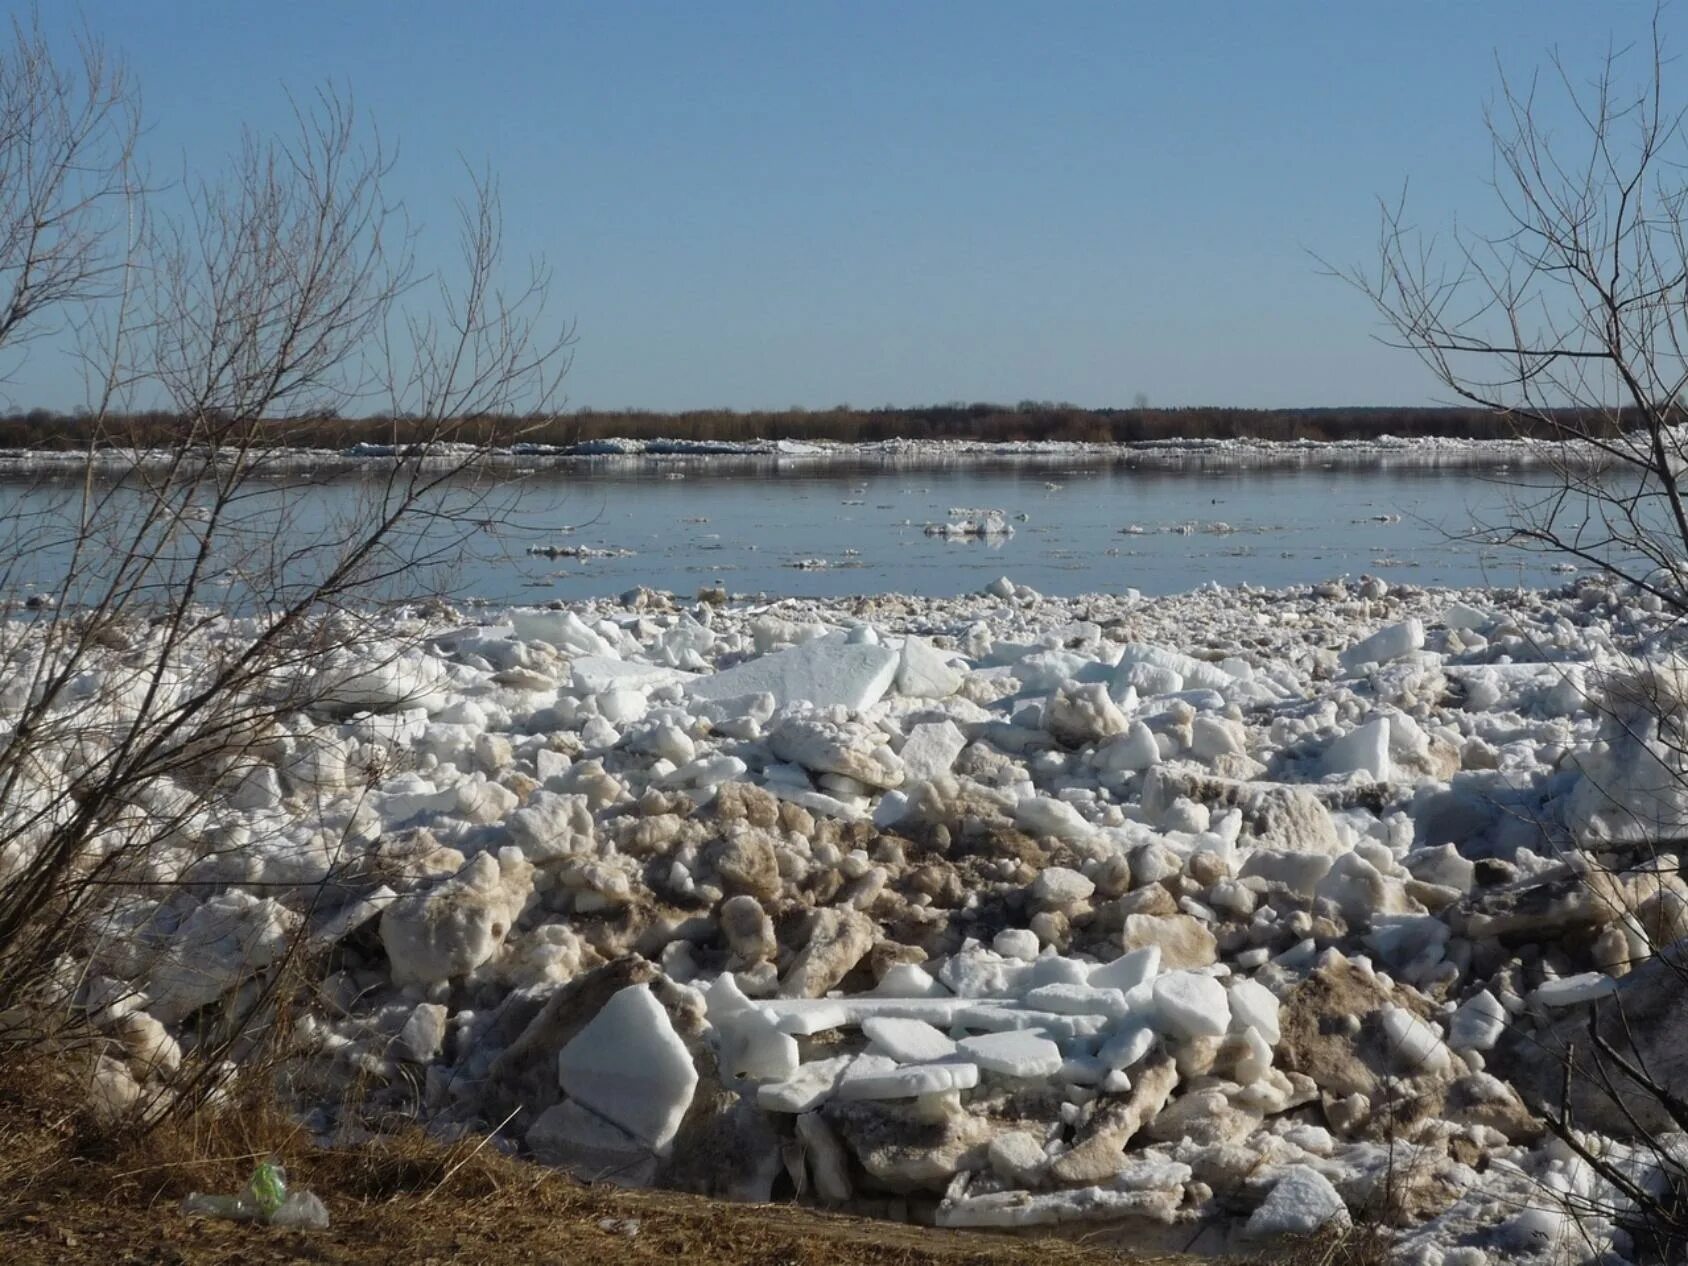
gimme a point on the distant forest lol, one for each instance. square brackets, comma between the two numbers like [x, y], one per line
[1029, 420]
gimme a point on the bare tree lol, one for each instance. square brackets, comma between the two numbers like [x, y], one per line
[67, 180]
[1569, 318]
[197, 620]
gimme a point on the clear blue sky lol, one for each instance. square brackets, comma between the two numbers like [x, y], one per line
[812, 202]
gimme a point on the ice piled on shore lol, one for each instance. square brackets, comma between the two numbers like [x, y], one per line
[1197, 915]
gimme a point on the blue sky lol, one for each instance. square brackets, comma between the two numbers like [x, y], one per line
[813, 203]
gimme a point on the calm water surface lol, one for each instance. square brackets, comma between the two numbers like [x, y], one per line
[1079, 529]
[823, 530]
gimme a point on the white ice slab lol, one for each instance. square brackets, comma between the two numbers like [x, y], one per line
[826, 672]
[1013, 1054]
[909, 1081]
[1070, 999]
[809, 1087]
[1188, 1004]
[629, 1066]
[1128, 970]
[908, 1041]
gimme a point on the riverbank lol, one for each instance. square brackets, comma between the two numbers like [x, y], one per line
[1196, 923]
[1383, 451]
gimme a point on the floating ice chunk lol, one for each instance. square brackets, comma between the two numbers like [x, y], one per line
[1390, 642]
[908, 1081]
[908, 1041]
[629, 1066]
[826, 672]
[1013, 1054]
[1301, 1201]
[1188, 1004]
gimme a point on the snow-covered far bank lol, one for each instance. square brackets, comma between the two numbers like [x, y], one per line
[1211, 918]
[1449, 453]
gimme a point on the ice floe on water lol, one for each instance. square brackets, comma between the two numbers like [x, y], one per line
[1210, 919]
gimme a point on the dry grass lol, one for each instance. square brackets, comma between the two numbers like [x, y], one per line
[75, 1190]
[1366, 1243]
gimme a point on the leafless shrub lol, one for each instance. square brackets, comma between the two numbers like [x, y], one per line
[193, 626]
[1570, 321]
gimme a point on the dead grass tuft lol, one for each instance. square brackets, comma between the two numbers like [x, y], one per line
[1366, 1243]
[75, 1189]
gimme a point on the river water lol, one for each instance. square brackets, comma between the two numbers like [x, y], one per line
[1077, 529]
[825, 529]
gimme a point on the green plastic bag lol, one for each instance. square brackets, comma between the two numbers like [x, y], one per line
[266, 1199]
[266, 1190]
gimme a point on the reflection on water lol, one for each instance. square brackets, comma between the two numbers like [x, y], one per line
[819, 530]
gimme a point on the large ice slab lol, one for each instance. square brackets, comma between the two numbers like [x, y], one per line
[909, 1081]
[592, 674]
[825, 672]
[908, 1041]
[1015, 1053]
[630, 1067]
[1301, 1202]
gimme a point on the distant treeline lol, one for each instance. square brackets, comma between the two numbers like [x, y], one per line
[44, 429]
